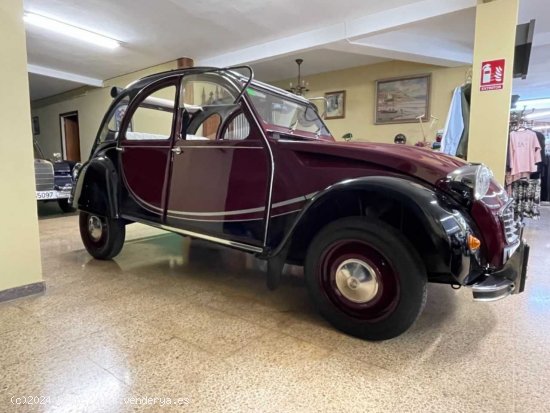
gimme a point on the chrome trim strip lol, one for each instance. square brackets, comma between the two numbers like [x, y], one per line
[215, 214]
[121, 148]
[251, 248]
[230, 220]
[183, 147]
[240, 211]
[302, 140]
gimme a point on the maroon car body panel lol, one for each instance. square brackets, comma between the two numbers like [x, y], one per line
[253, 190]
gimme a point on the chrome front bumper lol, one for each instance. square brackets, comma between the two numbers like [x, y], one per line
[509, 280]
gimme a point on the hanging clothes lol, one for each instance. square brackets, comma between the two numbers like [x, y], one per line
[454, 126]
[526, 195]
[523, 177]
[545, 180]
[462, 150]
[524, 153]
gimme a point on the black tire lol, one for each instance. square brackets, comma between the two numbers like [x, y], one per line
[365, 278]
[65, 205]
[106, 242]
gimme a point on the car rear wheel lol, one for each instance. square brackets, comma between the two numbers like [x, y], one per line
[102, 237]
[65, 205]
[365, 278]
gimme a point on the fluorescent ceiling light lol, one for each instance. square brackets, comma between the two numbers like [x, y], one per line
[541, 127]
[536, 115]
[533, 103]
[71, 31]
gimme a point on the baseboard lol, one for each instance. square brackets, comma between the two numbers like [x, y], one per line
[22, 291]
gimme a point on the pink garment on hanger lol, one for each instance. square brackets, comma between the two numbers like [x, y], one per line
[524, 151]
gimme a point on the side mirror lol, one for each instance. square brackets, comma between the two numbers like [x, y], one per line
[347, 136]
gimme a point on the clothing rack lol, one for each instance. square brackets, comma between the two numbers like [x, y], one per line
[518, 119]
[526, 166]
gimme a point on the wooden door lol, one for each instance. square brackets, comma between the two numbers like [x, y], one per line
[72, 138]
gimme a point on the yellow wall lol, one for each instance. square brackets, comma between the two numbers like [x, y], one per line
[91, 104]
[19, 246]
[359, 84]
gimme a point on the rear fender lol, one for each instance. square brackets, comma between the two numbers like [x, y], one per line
[96, 189]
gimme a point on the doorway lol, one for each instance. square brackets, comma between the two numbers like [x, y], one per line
[70, 136]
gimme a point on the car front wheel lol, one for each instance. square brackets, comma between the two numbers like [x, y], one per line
[102, 237]
[365, 278]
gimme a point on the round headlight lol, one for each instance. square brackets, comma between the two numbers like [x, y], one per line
[483, 181]
[470, 181]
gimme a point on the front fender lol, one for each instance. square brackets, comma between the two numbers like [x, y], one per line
[96, 189]
[445, 226]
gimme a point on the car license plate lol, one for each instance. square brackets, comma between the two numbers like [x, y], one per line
[63, 194]
[42, 195]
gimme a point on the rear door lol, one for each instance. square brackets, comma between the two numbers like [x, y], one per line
[144, 150]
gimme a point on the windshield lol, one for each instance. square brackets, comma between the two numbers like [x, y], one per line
[112, 125]
[279, 111]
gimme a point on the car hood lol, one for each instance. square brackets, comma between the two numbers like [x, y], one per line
[424, 164]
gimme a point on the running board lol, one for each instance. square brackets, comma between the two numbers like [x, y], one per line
[492, 288]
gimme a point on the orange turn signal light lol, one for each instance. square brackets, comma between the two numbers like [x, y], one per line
[473, 243]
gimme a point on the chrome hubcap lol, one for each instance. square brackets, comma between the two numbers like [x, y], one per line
[357, 281]
[95, 228]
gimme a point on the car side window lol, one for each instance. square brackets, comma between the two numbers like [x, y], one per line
[238, 128]
[208, 129]
[153, 118]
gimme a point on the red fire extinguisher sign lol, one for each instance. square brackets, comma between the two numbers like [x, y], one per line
[492, 75]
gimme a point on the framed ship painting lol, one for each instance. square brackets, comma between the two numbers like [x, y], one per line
[403, 99]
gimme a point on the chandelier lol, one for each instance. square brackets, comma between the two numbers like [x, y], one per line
[301, 86]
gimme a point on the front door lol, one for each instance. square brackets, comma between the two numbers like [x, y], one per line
[144, 147]
[220, 169]
[70, 137]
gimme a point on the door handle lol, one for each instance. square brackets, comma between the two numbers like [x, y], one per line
[120, 149]
[177, 150]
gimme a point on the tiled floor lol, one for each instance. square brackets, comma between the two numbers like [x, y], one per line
[174, 319]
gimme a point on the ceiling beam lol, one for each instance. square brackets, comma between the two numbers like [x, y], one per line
[58, 74]
[361, 27]
[400, 44]
[434, 56]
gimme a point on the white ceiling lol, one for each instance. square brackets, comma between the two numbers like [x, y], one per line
[269, 36]
[315, 61]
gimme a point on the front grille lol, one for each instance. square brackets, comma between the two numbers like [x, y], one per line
[510, 225]
[43, 173]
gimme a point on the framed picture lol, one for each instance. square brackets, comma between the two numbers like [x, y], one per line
[35, 125]
[336, 104]
[402, 99]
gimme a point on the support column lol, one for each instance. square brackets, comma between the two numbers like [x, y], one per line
[20, 267]
[185, 62]
[495, 38]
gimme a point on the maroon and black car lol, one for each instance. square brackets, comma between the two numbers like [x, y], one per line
[210, 153]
